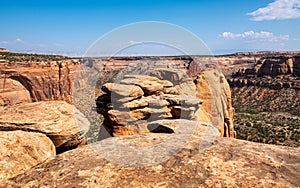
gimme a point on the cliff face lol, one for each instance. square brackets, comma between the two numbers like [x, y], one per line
[266, 96]
[38, 81]
[272, 82]
[272, 66]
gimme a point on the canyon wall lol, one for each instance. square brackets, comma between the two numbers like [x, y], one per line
[272, 84]
[36, 81]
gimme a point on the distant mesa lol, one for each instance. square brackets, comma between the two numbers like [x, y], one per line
[3, 50]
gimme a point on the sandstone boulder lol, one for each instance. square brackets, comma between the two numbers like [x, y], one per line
[19, 151]
[60, 121]
[149, 84]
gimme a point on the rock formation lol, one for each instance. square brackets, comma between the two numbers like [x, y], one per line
[20, 151]
[226, 163]
[55, 119]
[130, 105]
[41, 77]
[186, 102]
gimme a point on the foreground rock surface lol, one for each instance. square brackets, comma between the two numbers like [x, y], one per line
[19, 151]
[226, 163]
[55, 119]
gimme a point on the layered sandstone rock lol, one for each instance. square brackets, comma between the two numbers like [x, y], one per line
[51, 78]
[112, 163]
[20, 151]
[58, 120]
[138, 100]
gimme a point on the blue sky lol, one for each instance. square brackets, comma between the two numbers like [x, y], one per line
[226, 26]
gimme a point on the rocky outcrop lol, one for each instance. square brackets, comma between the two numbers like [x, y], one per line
[266, 96]
[58, 120]
[226, 163]
[130, 105]
[270, 85]
[20, 151]
[271, 66]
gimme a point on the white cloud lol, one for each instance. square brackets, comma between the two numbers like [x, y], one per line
[263, 36]
[278, 10]
[19, 40]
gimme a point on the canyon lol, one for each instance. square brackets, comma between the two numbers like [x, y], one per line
[170, 112]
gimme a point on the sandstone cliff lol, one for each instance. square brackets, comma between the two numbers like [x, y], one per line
[36, 81]
[3, 50]
[29, 77]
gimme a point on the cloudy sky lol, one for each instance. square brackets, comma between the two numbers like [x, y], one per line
[225, 26]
